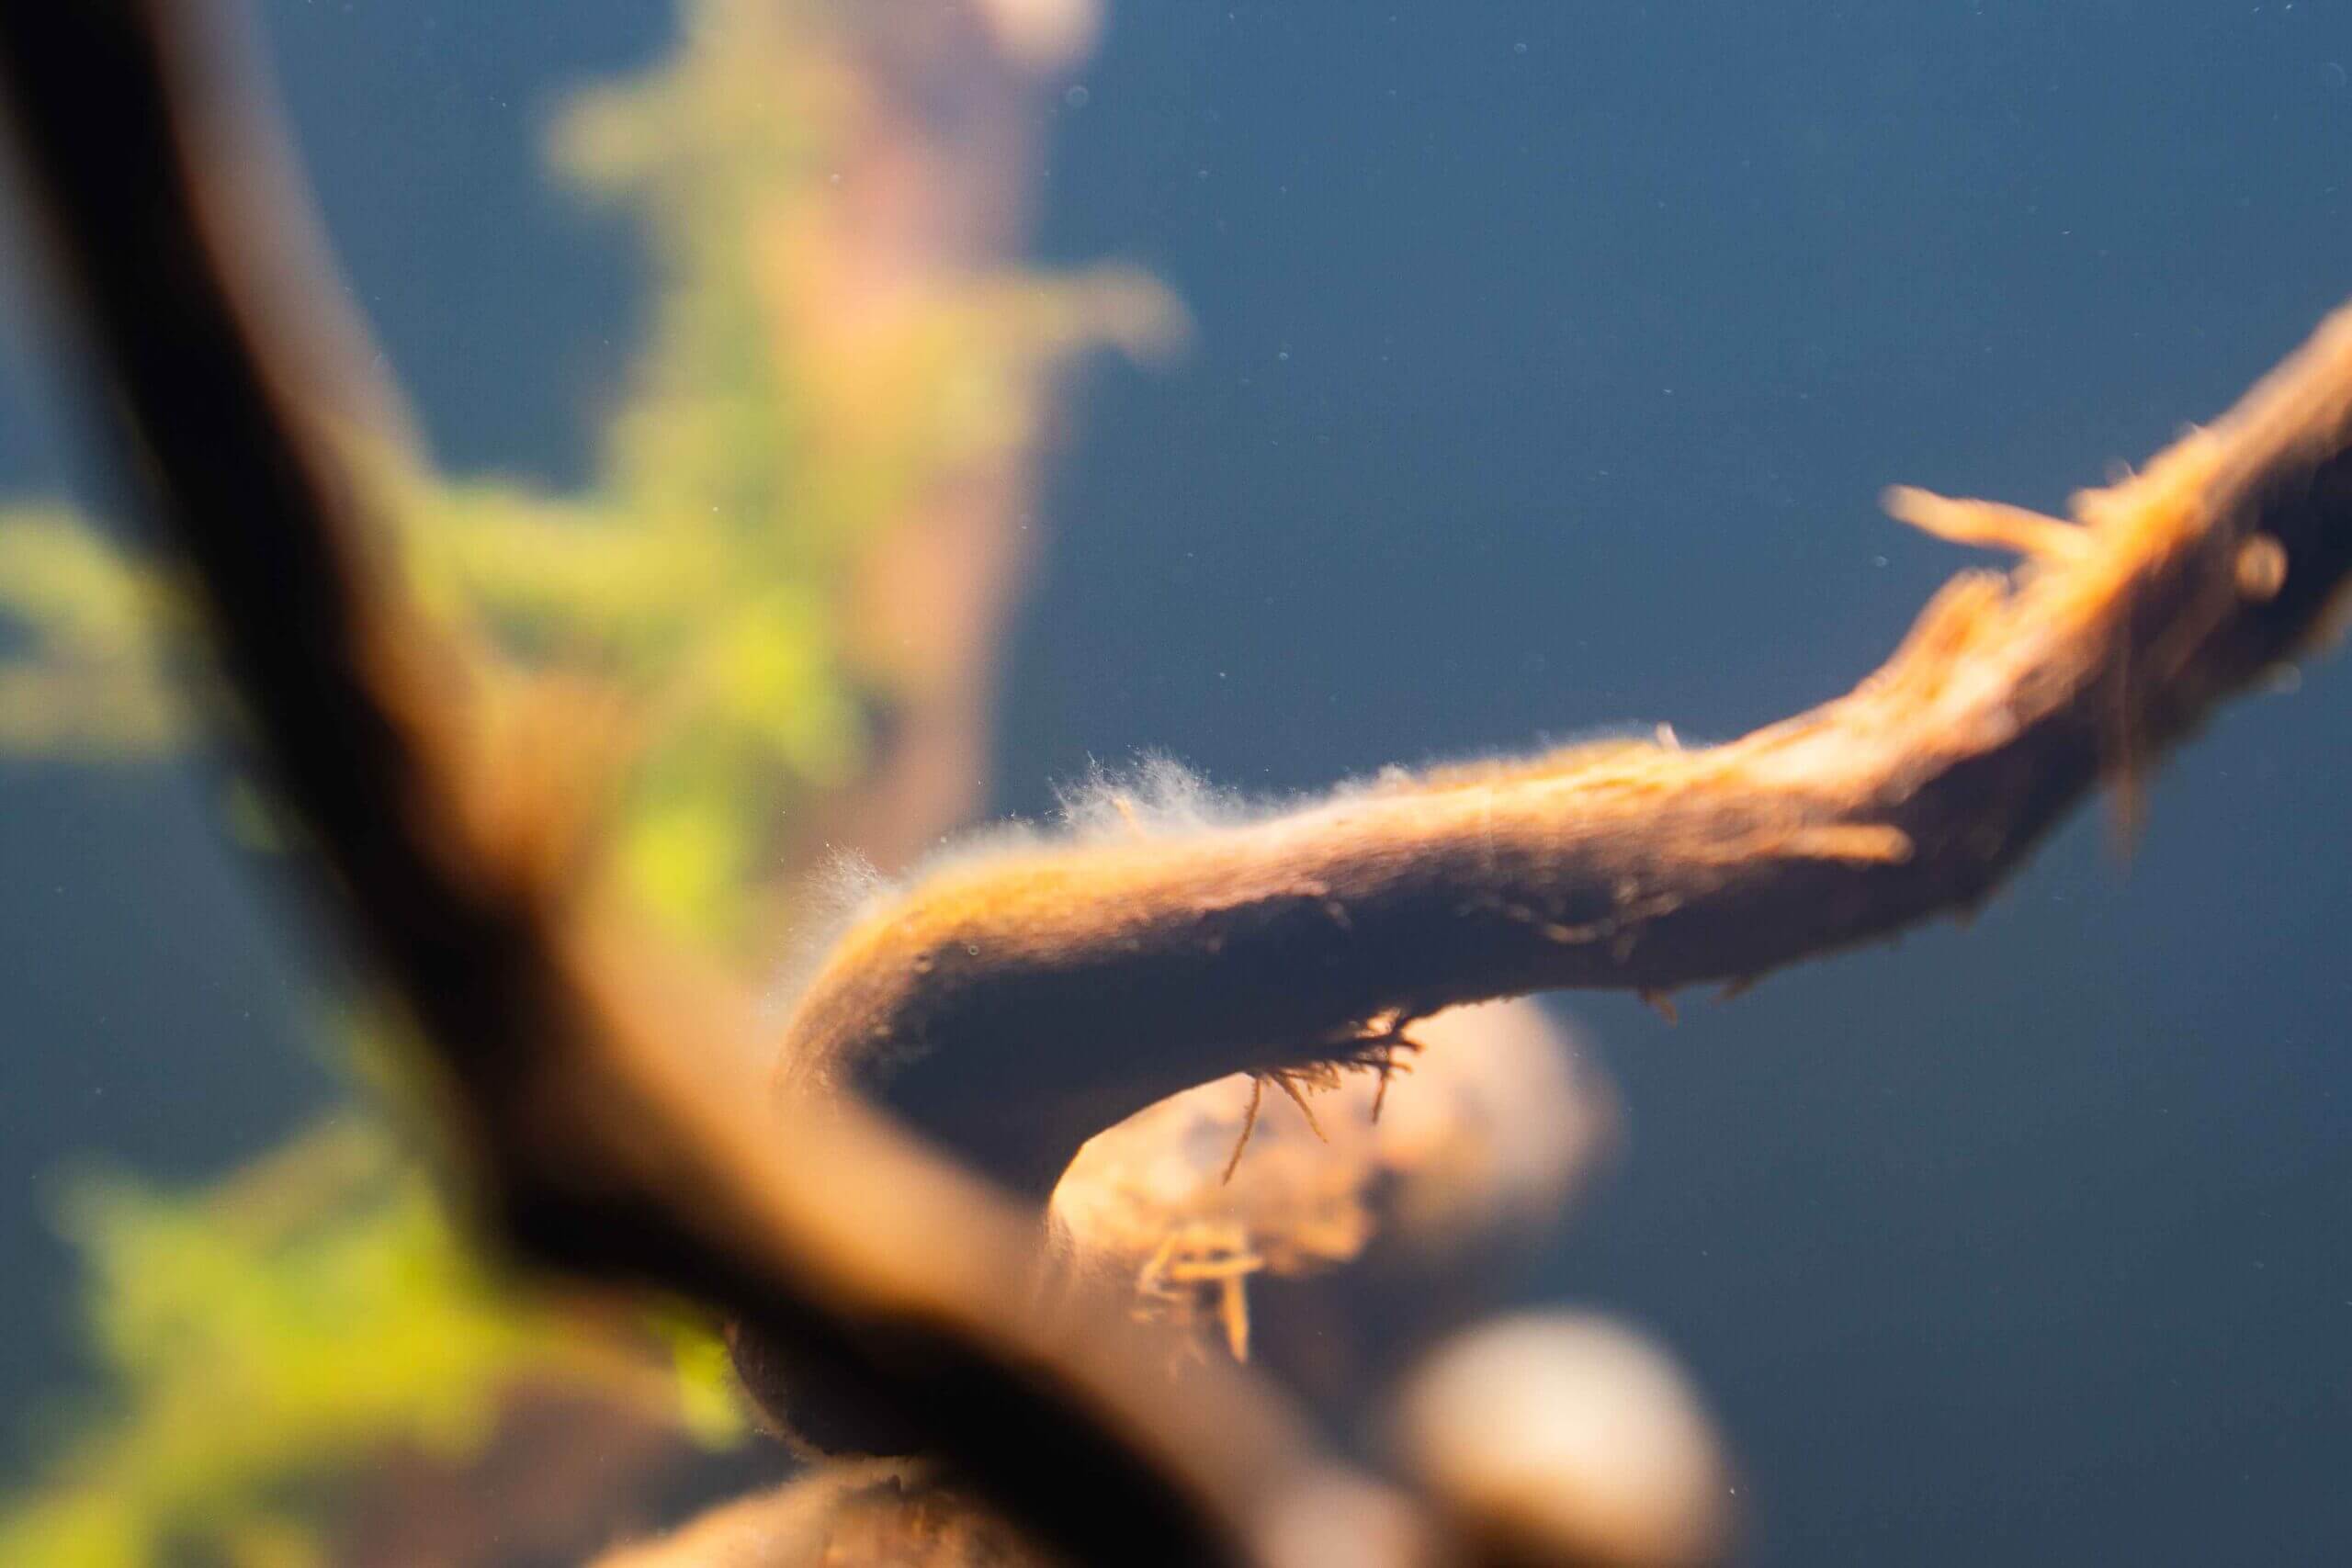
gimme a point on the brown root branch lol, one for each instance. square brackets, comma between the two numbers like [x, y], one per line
[1013, 1006]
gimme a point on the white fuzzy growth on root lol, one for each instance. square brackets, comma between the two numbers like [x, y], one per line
[1158, 797]
[841, 887]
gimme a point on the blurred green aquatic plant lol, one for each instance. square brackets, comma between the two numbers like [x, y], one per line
[826, 380]
[89, 677]
[261, 1334]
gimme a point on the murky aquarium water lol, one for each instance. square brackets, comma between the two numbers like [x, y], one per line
[1018, 780]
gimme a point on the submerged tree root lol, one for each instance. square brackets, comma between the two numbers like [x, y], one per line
[1014, 1005]
[1006, 1006]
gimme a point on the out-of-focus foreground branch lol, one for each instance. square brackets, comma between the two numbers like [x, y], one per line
[590, 1074]
[1081, 981]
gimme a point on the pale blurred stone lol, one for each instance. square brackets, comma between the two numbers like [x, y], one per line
[1566, 1440]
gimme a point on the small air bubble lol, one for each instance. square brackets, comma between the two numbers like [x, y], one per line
[2332, 74]
[1519, 48]
[1077, 97]
[973, 949]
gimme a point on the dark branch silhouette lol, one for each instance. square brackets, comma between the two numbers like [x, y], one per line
[587, 1072]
